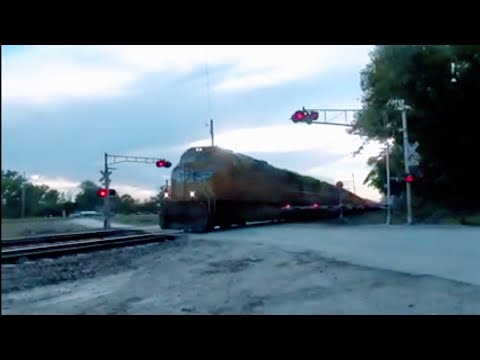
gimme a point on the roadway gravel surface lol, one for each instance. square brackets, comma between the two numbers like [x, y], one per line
[255, 270]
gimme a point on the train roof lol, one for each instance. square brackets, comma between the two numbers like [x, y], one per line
[224, 156]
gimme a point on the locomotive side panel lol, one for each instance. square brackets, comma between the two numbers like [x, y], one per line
[224, 175]
[212, 186]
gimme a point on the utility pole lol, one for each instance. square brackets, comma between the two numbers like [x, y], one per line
[339, 187]
[23, 194]
[407, 165]
[353, 180]
[211, 130]
[389, 208]
[106, 201]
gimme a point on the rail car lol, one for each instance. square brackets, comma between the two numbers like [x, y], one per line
[212, 187]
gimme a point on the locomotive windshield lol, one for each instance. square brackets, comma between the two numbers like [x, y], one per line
[196, 154]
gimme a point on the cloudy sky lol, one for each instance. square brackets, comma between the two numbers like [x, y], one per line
[63, 107]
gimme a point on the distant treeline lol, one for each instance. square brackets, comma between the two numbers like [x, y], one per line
[41, 200]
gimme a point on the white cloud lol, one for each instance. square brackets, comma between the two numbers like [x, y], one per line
[53, 73]
[329, 140]
[71, 187]
[51, 81]
[286, 139]
[135, 191]
[263, 141]
[342, 170]
[57, 183]
[273, 65]
[305, 141]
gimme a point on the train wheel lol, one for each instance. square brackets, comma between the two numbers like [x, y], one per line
[163, 222]
[201, 224]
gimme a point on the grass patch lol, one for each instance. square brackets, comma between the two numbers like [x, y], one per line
[420, 216]
[375, 218]
[450, 220]
[38, 226]
[473, 220]
[32, 220]
[144, 219]
[447, 217]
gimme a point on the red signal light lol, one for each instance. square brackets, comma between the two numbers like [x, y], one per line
[409, 179]
[315, 205]
[298, 116]
[307, 116]
[102, 193]
[163, 163]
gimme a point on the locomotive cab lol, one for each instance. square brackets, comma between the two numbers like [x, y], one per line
[211, 186]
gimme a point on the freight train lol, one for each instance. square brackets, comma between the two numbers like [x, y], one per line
[212, 187]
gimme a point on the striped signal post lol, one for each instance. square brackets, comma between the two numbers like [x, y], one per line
[105, 180]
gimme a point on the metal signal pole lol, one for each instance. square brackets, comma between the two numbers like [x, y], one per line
[105, 180]
[389, 208]
[312, 116]
[106, 201]
[23, 194]
[407, 164]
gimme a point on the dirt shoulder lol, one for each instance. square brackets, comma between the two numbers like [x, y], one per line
[205, 276]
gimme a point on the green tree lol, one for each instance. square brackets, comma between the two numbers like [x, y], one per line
[125, 204]
[128, 204]
[442, 118]
[12, 183]
[34, 199]
[50, 203]
[150, 205]
[87, 198]
[40, 200]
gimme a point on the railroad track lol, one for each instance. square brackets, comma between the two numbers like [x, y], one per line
[50, 246]
[52, 238]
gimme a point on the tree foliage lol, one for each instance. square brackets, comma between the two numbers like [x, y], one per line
[12, 183]
[87, 199]
[40, 200]
[443, 116]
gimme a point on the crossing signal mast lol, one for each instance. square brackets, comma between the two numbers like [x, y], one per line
[105, 192]
[340, 117]
[345, 117]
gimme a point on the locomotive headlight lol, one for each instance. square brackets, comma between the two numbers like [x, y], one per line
[192, 194]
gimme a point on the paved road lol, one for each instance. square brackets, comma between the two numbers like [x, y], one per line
[279, 269]
[450, 252]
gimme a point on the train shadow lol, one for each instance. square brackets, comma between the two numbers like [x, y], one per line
[327, 217]
[332, 217]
